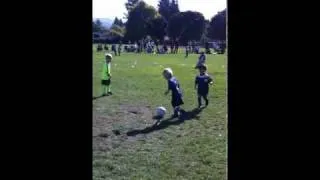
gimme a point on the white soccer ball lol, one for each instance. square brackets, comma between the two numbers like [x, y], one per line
[161, 111]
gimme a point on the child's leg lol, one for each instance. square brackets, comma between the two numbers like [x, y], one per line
[176, 111]
[109, 86]
[103, 88]
[206, 99]
[199, 100]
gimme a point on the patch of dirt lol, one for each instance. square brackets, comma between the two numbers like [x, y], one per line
[109, 130]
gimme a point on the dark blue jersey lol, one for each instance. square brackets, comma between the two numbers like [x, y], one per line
[203, 81]
[174, 86]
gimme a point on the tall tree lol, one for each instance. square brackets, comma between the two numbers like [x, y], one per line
[217, 27]
[130, 4]
[121, 23]
[156, 28]
[97, 26]
[116, 21]
[168, 8]
[186, 26]
[138, 19]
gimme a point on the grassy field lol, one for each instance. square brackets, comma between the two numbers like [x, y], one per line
[124, 144]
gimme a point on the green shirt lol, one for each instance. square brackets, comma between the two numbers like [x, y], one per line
[106, 71]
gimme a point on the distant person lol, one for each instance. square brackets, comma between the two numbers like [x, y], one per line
[165, 48]
[113, 48]
[202, 82]
[207, 48]
[99, 48]
[138, 47]
[187, 52]
[106, 75]
[172, 47]
[106, 47]
[119, 49]
[176, 47]
[135, 46]
[201, 60]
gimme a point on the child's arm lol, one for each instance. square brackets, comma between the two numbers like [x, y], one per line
[165, 93]
[109, 70]
[195, 83]
[210, 81]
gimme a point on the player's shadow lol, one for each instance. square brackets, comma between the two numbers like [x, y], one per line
[185, 115]
[97, 97]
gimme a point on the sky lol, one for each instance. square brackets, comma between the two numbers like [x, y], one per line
[116, 8]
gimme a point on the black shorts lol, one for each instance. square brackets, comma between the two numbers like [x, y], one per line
[176, 102]
[203, 93]
[106, 82]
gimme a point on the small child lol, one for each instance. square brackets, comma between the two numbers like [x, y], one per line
[119, 49]
[113, 48]
[173, 85]
[106, 75]
[187, 52]
[202, 82]
[202, 60]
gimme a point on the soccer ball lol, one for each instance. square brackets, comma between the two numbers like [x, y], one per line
[160, 111]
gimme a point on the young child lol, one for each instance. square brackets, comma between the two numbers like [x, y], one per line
[202, 83]
[202, 60]
[187, 52]
[174, 87]
[106, 75]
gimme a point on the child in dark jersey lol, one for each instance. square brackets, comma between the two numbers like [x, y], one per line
[201, 60]
[174, 87]
[202, 82]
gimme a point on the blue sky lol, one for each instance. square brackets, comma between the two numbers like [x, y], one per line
[116, 8]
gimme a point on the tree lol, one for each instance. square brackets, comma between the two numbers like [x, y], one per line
[204, 37]
[217, 27]
[186, 26]
[116, 21]
[97, 26]
[121, 23]
[130, 4]
[139, 18]
[168, 8]
[156, 28]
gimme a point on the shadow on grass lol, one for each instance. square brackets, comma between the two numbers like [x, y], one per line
[185, 115]
[97, 97]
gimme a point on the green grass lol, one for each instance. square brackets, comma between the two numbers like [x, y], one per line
[194, 149]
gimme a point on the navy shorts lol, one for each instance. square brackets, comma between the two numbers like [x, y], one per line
[203, 92]
[176, 102]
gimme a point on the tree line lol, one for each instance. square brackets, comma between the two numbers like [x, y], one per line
[166, 22]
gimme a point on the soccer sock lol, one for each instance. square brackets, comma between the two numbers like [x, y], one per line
[199, 100]
[103, 89]
[207, 101]
[176, 110]
[109, 88]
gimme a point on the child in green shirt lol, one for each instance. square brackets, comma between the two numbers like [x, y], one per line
[106, 75]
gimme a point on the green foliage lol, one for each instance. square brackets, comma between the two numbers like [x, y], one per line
[139, 17]
[186, 26]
